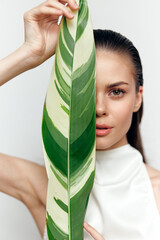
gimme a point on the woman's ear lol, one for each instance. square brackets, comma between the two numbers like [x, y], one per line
[138, 100]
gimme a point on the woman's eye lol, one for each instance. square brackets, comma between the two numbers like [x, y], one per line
[117, 92]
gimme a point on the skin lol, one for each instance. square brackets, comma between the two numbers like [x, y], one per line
[115, 107]
[31, 189]
[41, 35]
[26, 181]
[112, 107]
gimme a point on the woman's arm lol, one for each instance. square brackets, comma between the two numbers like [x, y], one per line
[27, 181]
[41, 35]
[154, 175]
[14, 64]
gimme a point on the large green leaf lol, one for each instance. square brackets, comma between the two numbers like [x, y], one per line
[68, 127]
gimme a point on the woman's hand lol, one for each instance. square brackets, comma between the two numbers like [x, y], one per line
[41, 28]
[41, 35]
[92, 231]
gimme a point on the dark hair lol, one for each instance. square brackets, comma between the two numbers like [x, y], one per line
[113, 41]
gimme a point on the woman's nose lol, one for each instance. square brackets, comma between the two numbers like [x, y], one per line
[101, 108]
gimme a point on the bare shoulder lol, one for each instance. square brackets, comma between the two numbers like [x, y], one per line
[154, 175]
[152, 172]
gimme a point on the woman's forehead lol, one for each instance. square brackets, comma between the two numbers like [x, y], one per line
[110, 55]
[113, 66]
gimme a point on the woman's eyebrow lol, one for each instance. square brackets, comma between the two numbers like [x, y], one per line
[115, 84]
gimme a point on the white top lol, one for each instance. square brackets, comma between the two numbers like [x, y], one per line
[45, 237]
[121, 205]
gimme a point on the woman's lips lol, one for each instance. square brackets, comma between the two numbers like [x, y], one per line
[103, 132]
[102, 129]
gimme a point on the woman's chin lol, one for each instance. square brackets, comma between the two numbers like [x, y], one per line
[102, 144]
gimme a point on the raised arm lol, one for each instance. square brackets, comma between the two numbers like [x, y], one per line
[41, 35]
[14, 64]
[19, 178]
[27, 181]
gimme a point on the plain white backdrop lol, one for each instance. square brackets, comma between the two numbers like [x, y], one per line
[22, 98]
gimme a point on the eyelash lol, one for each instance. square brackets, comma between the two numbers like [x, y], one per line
[120, 90]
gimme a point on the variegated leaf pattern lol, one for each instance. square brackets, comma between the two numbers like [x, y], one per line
[68, 127]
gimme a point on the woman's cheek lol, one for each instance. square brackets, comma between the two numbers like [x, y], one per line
[126, 115]
[122, 113]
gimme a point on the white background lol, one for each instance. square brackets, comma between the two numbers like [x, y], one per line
[22, 98]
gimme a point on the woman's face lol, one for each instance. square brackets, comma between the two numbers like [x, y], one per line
[114, 104]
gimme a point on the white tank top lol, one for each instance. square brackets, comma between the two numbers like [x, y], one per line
[121, 205]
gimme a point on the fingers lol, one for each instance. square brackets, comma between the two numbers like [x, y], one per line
[92, 231]
[72, 3]
[51, 7]
[42, 10]
[65, 11]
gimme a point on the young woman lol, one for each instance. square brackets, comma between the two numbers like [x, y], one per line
[125, 198]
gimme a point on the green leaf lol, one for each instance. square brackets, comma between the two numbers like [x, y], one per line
[69, 127]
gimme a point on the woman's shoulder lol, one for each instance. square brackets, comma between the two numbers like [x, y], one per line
[154, 175]
[152, 172]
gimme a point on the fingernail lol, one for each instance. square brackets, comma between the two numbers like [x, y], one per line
[76, 5]
[85, 224]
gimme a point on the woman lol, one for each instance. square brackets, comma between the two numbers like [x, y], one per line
[119, 106]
